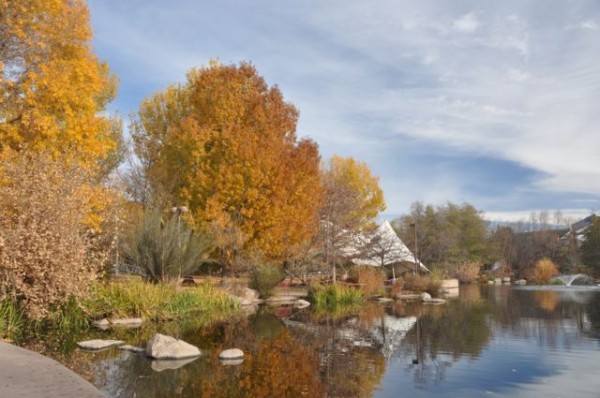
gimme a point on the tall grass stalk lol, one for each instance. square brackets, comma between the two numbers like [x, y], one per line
[11, 319]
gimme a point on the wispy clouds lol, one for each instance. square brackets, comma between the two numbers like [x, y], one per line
[424, 91]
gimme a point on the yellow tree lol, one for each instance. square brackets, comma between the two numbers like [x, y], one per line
[224, 144]
[352, 201]
[52, 88]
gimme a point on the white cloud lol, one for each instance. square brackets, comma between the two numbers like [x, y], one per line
[468, 23]
[567, 215]
[589, 24]
[505, 81]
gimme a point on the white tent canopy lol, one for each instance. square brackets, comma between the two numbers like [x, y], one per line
[386, 248]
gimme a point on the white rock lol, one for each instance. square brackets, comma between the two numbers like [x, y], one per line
[498, 281]
[450, 284]
[167, 347]
[425, 296]
[98, 344]
[385, 300]
[301, 304]
[521, 282]
[250, 295]
[506, 279]
[232, 353]
[102, 324]
[127, 321]
[279, 300]
[408, 296]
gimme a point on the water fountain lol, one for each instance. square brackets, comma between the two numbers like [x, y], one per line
[575, 279]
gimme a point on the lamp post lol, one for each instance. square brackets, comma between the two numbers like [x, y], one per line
[179, 210]
[415, 252]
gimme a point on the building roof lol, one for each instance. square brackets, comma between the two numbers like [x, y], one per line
[386, 248]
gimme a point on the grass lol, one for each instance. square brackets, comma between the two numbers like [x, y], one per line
[134, 298]
[334, 299]
[159, 302]
[11, 319]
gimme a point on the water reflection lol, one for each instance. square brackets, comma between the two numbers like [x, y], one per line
[497, 340]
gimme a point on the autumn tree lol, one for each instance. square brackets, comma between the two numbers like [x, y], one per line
[52, 87]
[224, 143]
[352, 201]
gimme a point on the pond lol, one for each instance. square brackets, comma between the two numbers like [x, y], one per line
[496, 341]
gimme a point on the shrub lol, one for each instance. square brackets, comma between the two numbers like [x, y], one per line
[467, 272]
[165, 250]
[48, 253]
[264, 279]
[420, 284]
[544, 270]
[371, 279]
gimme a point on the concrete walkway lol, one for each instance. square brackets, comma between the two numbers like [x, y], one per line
[26, 374]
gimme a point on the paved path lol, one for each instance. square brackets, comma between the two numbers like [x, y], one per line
[26, 374]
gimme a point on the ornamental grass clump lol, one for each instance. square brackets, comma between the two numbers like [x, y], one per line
[163, 247]
[11, 319]
[543, 271]
[370, 279]
[335, 298]
[467, 272]
[263, 279]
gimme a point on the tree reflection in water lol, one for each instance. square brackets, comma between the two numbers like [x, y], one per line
[347, 356]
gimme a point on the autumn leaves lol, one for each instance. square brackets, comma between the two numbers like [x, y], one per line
[224, 143]
[52, 86]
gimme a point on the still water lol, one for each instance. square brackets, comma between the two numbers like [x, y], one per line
[490, 341]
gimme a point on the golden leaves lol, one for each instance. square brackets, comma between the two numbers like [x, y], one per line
[353, 195]
[225, 142]
[53, 87]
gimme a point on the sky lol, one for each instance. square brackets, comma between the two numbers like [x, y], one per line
[492, 103]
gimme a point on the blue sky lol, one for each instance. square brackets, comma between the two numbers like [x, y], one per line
[495, 103]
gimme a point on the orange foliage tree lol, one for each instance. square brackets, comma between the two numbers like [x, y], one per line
[52, 87]
[224, 144]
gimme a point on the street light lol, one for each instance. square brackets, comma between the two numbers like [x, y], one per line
[179, 210]
[415, 252]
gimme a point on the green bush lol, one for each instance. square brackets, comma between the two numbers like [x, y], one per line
[264, 279]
